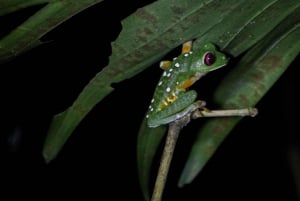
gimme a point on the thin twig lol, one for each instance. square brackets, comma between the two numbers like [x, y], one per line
[225, 113]
[172, 136]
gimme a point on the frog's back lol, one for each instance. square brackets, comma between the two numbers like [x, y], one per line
[170, 83]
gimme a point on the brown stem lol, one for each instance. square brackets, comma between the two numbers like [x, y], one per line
[172, 136]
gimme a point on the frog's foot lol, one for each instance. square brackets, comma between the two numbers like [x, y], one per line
[187, 114]
[166, 119]
[201, 107]
[205, 109]
[200, 104]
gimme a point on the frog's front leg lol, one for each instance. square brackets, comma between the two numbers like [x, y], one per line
[184, 104]
[186, 48]
[165, 64]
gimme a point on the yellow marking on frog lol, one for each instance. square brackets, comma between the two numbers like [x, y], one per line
[189, 82]
[165, 64]
[163, 105]
[186, 47]
[170, 99]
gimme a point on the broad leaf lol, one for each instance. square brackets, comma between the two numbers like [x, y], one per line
[234, 34]
[28, 34]
[147, 35]
[253, 76]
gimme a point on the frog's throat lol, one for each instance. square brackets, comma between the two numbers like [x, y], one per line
[189, 82]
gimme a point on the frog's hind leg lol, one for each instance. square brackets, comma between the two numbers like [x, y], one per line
[187, 47]
[177, 109]
[196, 105]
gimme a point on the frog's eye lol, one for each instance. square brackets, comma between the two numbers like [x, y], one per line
[209, 59]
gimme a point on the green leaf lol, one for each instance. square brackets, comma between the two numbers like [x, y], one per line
[244, 86]
[147, 144]
[151, 32]
[235, 33]
[246, 25]
[10, 6]
[27, 35]
[147, 35]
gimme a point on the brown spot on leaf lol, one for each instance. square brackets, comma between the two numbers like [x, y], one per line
[195, 19]
[141, 38]
[148, 31]
[80, 109]
[209, 149]
[177, 10]
[244, 100]
[222, 125]
[270, 63]
[154, 47]
[260, 81]
[113, 71]
[258, 76]
[138, 54]
[144, 14]
[120, 50]
[126, 61]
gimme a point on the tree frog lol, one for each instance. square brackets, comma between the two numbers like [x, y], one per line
[172, 99]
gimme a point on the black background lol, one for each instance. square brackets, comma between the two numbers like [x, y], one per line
[99, 160]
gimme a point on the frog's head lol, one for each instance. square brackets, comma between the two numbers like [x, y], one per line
[210, 58]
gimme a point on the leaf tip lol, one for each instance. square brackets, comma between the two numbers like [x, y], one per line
[48, 155]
